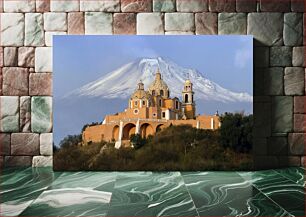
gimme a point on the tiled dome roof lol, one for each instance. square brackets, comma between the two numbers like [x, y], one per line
[158, 84]
[140, 94]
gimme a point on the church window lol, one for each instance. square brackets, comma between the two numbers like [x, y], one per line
[176, 105]
[192, 98]
[153, 92]
[186, 97]
[135, 103]
[136, 111]
[160, 102]
[154, 114]
[161, 92]
[163, 114]
[168, 93]
[143, 102]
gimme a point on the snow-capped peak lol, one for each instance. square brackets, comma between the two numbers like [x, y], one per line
[122, 82]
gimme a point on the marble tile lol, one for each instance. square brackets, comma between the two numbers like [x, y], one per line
[140, 187]
[283, 191]
[261, 205]
[11, 172]
[75, 194]
[42, 192]
[164, 177]
[151, 194]
[296, 174]
[19, 191]
[70, 202]
[102, 181]
[184, 208]
[137, 209]
[228, 194]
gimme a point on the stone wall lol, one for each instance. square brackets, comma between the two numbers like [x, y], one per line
[27, 27]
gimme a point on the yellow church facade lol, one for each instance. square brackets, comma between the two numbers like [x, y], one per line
[148, 112]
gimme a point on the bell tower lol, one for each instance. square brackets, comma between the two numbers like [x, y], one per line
[188, 104]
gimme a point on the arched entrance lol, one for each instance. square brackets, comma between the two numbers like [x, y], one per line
[146, 130]
[160, 127]
[128, 130]
[115, 133]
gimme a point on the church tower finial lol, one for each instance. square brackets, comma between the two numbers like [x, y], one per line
[158, 75]
[140, 85]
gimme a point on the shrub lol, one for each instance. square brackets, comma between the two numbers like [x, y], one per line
[174, 148]
[137, 140]
[71, 140]
[236, 131]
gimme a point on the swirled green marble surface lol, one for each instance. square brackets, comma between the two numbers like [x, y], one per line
[42, 192]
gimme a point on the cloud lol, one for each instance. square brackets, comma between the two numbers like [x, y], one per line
[243, 57]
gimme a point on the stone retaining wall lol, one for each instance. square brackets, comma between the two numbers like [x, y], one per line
[27, 27]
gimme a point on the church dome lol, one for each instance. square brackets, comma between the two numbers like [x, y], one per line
[187, 82]
[158, 86]
[140, 93]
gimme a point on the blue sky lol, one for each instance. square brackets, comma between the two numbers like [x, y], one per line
[222, 59]
[78, 60]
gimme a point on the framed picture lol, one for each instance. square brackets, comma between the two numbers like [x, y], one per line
[153, 102]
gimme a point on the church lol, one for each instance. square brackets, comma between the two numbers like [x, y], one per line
[148, 112]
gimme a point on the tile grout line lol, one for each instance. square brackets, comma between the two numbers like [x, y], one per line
[61, 175]
[266, 196]
[190, 195]
[272, 200]
[109, 204]
[289, 179]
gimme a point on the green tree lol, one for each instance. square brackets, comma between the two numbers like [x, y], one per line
[174, 148]
[71, 140]
[236, 131]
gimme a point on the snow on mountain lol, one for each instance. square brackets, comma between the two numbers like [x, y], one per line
[121, 83]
